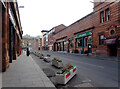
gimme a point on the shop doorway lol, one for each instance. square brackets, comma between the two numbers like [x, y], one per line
[89, 48]
[112, 50]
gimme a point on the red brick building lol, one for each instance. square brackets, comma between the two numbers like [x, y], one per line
[106, 34]
[97, 33]
[48, 37]
[11, 33]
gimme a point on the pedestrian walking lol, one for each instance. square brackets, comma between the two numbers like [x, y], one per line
[28, 52]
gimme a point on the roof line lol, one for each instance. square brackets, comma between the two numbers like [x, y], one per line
[75, 22]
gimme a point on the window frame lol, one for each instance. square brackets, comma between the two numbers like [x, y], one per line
[101, 41]
[77, 42]
[107, 14]
[71, 42]
[102, 17]
[102, 0]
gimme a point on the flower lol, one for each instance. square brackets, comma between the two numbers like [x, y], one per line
[57, 59]
[65, 69]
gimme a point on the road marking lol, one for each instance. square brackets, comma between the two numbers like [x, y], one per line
[92, 65]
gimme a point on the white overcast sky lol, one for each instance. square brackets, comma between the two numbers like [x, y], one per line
[40, 15]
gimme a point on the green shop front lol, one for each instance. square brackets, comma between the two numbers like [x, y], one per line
[84, 42]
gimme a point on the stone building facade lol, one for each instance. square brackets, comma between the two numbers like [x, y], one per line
[27, 42]
[32, 43]
[11, 33]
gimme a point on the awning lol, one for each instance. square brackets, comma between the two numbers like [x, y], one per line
[110, 41]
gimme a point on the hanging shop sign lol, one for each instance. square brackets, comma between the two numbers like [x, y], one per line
[84, 34]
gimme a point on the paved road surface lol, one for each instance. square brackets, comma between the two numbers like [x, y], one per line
[100, 73]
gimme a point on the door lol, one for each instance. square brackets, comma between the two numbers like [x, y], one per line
[89, 48]
[112, 50]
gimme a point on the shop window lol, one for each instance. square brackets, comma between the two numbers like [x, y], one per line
[79, 42]
[102, 16]
[102, 0]
[101, 41]
[71, 43]
[107, 14]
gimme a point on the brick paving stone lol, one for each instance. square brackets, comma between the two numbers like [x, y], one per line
[24, 72]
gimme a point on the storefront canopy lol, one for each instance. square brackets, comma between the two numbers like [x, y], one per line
[110, 41]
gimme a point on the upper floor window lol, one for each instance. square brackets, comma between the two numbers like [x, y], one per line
[102, 16]
[107, 14]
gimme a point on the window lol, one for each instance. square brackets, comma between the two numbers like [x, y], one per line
[112, 32]
[102, 16]
[71, 43]
[79, 42]
[102, 0]
[101, 41]
[85, 42]
[46, 37]
[107, 14]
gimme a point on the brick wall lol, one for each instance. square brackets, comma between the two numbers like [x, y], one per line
[104, 28]
[93, 19]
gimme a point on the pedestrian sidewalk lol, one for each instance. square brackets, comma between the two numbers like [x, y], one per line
[24, 72]
[100, 57]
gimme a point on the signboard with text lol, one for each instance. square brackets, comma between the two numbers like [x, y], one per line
[83, 34]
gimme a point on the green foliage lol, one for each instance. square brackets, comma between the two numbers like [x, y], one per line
[42, 54]
[57, 59]
[66, 69]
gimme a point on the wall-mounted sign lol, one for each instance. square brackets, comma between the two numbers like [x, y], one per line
[84, 34]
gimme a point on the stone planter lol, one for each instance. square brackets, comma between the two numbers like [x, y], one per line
[46, 59]
[64, 78]
[37, 55]
[41, 57]
[57, 64]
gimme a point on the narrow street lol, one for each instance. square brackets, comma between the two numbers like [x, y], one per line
[99, 73]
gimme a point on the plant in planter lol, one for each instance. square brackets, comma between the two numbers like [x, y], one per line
[48, 55]
[72, 50]
[64, 75]
[57, 62]
[47, 58]
[37, 54]
[41, 56]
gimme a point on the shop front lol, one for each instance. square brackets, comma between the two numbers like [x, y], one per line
[84, 42]
[61, 45]
[113, 46]
[71, 45]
